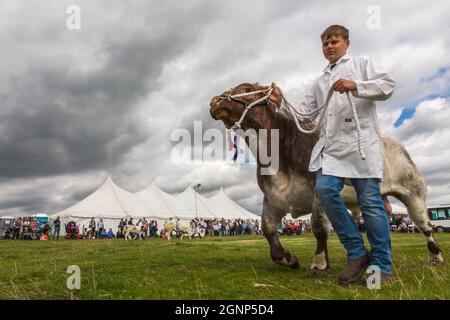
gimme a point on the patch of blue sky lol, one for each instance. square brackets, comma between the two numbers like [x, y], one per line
[409, 110]
[439, 74]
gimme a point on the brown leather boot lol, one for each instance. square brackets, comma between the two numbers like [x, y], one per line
[386, 278]
[354, 270]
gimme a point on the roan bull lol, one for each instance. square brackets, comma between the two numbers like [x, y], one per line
[184, 229]
[292, 187]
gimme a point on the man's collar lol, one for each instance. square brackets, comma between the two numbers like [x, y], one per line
[344, 58]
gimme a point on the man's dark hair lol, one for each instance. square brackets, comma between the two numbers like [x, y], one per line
[335, 30]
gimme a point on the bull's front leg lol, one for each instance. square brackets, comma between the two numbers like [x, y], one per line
[270, 220]
[321, 227]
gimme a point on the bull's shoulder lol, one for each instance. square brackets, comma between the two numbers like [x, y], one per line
[399, 168]
[389, 141]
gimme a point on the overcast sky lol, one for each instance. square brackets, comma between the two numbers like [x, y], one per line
[78, 105]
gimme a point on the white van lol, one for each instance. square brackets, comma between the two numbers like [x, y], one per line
[440, 217]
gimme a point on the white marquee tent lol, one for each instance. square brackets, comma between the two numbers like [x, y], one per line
[162, 204]
[229, 208]
[112, 203]
[197, 205]
[109, 202]
[396, 209]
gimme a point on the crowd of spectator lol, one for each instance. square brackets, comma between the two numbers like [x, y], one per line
[397, 223]
[27, 228]
[224, 227]
[297, 226]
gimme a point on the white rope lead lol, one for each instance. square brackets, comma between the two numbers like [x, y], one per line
[320, 110]
[358, 126]
[237, 125]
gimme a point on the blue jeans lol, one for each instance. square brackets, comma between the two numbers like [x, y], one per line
[56, 232]
[373, 212]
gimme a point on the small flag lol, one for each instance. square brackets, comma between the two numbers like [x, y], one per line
[235, 147]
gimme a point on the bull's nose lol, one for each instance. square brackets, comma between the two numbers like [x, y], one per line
[211, 112]
[214, 104]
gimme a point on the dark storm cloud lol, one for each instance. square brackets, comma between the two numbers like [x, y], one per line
[59, 119]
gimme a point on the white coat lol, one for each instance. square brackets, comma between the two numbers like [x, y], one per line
[336, 151]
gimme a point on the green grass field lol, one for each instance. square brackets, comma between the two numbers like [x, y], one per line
[210, 268]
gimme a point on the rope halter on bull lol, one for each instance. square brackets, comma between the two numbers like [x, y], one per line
[320, 110]
[236, 97]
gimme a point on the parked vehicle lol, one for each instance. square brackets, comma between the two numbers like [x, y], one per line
[440, 217]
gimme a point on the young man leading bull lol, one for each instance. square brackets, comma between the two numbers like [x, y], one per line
[336, 156]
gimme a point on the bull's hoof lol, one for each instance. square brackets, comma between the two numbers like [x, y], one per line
[319, 266]
[316, 272]
[436, 259]
[289, 260]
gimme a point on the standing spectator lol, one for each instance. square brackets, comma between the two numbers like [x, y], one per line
[235, 227]
[146, 228]
[85, 233]
[231, 228]
[403, 226]
[216, 228]
[398, 221]
[101, 226]
[201, 230]
[120, 228]
[34, 228]
[26, 223]
[221, 226]
[244, 227]
[57, 228]
[194, 227]
[407, 220]
[300, 226]
[249, 227]
[92, 227]
[140, 226]
[239, 227]
[17, 228]
[253, 227]
[153, 229]
[209, 229]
